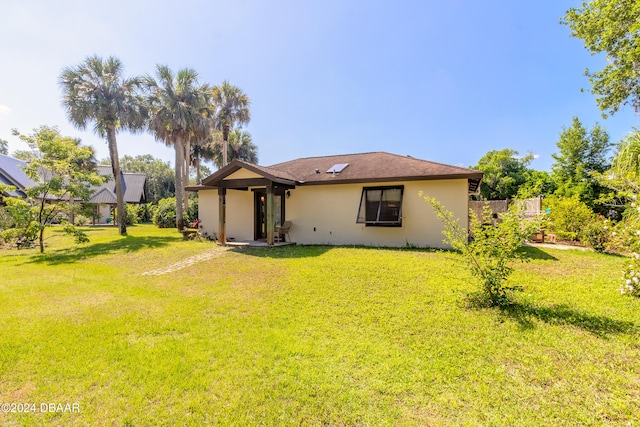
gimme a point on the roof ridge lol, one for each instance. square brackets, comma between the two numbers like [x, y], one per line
[333, 155]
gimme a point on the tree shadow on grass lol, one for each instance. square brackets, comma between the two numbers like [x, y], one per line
[531, 252]
[290, 251]
[602, 326]
[124, 244]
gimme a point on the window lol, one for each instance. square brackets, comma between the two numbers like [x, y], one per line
[381, 206]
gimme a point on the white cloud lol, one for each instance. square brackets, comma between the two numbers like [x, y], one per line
[4, 110]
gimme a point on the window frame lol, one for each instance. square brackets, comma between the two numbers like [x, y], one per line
[362, 217]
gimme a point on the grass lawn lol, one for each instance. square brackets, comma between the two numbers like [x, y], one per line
[310, 336]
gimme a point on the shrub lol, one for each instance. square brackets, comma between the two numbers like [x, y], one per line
[626, 238]
[81, 220]
[596, 234]
[23, 229]
[146, 212]
[490, 249]
[568, 216]
[192, 212]
[165, 215]
[132, 214]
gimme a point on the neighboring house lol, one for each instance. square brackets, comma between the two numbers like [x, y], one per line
[11, 173]
[356, 199]
[104, 197]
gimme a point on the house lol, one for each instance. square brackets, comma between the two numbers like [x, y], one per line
[11, 173]
[355, 199]
[104, 197]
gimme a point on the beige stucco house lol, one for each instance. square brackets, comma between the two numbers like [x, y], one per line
[356, 199]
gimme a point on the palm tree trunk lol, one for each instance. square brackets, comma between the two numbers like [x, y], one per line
[121, 212]
[179, 147]
[187, 164]
[198, 171]
[225, 145]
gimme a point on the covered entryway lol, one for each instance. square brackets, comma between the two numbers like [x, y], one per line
[267, 194]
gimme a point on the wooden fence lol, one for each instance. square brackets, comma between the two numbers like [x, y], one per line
[529, 208]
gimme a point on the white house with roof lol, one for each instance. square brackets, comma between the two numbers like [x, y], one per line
[354, 199]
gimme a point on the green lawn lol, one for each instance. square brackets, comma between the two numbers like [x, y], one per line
[310, 336]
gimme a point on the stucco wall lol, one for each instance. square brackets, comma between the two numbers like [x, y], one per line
[327, 214]
[239, 213]
[208, 211]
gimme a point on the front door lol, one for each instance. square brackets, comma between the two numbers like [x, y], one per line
[260, 211]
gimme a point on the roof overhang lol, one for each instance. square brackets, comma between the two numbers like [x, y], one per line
[267, 177]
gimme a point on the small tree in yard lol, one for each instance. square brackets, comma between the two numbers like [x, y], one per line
[489, 248]
[63, 171]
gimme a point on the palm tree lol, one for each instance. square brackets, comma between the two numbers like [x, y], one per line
[626, 162]
[95, 91]
[178, 107]
[240, 147]
[231, 110]
[203, 148]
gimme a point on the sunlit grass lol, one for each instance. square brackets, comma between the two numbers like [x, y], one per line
[311, 336]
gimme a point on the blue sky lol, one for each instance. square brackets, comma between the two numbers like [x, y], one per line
[443, 81]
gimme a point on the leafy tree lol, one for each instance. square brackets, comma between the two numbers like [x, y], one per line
[504, 173]
[240, 147]
[160, 175]
[231, 110]
[95, 91]
[624, 175]
[178, 106]
[626, 161]
[582, 153]
[64, 172]
[25, 155]
[610, 27]
[537, 183]
[4, 147]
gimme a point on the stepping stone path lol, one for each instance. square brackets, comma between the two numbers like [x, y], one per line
[187, 262]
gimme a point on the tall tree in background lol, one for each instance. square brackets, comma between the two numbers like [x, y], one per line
[537, 183]
[231, 110]
[504, 172]
[176, 103]
[240, 146]
[4, 147]
[611, 27]
[581, 154]
[96, 91]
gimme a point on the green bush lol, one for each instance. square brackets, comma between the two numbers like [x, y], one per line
[132, 214]
[596, 234]
[146, 212]
[81, 220]
[24, 228]
[165, 214]
[192, 212]
[490, 249]
[568, 217]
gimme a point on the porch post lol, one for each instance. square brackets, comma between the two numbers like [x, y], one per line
[222, 216]
[270, 215]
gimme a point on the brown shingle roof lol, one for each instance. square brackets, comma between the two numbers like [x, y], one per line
[371, 167]
[363, 167]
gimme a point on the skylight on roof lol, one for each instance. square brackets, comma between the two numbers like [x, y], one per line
[337, 168]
